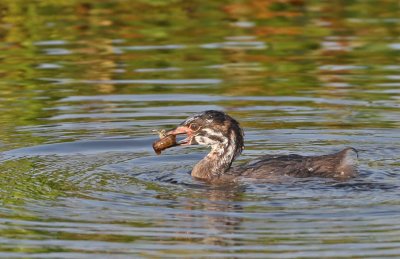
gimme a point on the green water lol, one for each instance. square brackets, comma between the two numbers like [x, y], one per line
[84, 83]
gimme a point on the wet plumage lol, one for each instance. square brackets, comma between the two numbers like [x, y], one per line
[225, 137]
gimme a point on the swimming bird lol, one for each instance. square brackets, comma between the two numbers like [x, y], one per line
[224, 135]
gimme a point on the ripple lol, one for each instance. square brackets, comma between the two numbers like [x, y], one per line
[341, 67]
[211, 98]
[388, 84]
[395, 46]
[235, 45]
[204, 81]
[334, 45]
[152, 47]
[392, 67]
[49, 66]
[244, 24]
[239, 66]
[149, 70]
[57, 51]
[83, 147]
[51, 43]
[240, 38]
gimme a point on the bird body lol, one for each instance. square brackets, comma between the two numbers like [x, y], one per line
[225, 137]
[340, 165]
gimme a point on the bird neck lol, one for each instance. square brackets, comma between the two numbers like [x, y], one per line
[216, 163]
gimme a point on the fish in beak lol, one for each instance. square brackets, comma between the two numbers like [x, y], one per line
[168, 139]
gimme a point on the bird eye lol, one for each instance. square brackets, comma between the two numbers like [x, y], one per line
[194, 127]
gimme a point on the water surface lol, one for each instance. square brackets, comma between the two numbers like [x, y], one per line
[84, 83]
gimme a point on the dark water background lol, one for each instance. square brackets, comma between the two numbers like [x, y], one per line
[84, 83]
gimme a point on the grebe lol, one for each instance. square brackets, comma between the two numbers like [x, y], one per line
[225, 137]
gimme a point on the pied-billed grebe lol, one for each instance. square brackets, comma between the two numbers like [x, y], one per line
[225, 137]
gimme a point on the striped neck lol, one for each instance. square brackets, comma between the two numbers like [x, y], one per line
[218, 161]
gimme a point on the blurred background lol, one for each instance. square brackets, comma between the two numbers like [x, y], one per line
[84, 83]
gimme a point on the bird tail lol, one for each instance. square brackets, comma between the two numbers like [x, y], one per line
[348, 166]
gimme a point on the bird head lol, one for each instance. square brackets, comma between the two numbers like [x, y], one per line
[211, 128]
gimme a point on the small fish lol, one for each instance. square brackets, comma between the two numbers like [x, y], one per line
[165, 141]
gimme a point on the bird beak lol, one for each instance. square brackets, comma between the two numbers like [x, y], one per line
[178, 131]
[169, 140]
[182, 130]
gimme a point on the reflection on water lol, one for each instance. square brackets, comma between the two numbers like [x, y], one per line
[84, 83]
